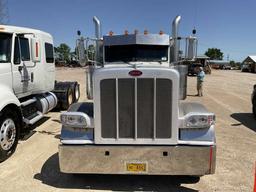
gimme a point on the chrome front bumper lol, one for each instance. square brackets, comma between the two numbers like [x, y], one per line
[159, 160]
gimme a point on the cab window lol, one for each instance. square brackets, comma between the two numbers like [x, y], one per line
[5, 47]
[24, 46]
[16, 51]
[49, 53]
[21, 50]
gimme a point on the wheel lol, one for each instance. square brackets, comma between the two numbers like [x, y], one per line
[68, 100]
[9, 133]
[76, 91]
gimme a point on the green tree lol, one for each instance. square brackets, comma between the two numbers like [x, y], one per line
[214, 54]
[232, 63]
[63, 52]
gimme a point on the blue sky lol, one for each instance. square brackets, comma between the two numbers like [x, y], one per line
[226, 24]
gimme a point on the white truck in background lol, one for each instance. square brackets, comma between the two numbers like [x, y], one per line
[136, 123]
[28, 88]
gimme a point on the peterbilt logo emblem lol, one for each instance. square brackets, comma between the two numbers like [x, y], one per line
[135, 73]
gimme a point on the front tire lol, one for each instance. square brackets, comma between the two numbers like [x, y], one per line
[9, 133]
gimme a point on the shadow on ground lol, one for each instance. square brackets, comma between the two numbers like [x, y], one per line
[246, 119]
[27, 133]
[51, 175]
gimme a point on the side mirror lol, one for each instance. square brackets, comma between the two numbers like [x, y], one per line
[36, 50]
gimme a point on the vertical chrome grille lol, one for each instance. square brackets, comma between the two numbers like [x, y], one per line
[126, 108]
[145, 98]
[108, 108]
[136, 108]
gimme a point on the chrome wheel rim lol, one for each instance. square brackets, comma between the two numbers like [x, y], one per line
[77, 92]
[70, 98]
[7, 134]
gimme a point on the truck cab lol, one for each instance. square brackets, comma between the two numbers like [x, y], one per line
[136, 122]
[27, 82]
[21, 50]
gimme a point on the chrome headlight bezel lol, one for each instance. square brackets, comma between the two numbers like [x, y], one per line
[198, 120]
[75, 119]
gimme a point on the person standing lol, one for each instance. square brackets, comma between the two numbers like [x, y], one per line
[200, 80]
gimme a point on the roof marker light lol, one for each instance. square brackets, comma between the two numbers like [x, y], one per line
[110, 33]
[161, 32]
[145, 32]
[126, 32]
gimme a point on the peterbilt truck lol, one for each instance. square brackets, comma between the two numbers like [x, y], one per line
[136, 121]
[28, 88]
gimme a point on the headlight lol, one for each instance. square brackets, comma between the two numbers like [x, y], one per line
[75, 119]
[199, 120]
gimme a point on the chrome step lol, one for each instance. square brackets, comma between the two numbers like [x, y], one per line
[33, 118]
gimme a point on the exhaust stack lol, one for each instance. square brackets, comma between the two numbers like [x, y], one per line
[97, 36]
[97, 27]
[176, 47]
[91, 68]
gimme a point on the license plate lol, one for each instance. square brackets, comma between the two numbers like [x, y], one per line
[136, 167]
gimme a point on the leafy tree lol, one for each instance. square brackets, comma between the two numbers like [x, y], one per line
[232, 63]
[214, 54]
[63, 52]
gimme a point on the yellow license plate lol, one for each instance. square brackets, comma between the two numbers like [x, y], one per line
[136, 167]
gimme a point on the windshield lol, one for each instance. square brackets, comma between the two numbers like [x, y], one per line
[5, 47]
[128, 53]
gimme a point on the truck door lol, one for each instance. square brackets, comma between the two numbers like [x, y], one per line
[23, 67]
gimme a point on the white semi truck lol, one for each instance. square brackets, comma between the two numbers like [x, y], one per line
[28, 88]
[136, 122]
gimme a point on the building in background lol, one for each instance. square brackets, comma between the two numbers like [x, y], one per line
[249, 64]
[201, 61]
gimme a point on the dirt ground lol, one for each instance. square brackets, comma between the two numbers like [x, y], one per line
[34, 166]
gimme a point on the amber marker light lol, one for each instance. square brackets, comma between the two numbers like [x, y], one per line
[126, 32]
[110, 33]
[161, 32]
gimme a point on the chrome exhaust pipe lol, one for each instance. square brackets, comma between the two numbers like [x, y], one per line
[97, 36]
[182, 69]
[97, 27]
[91, 68]
[175, 35]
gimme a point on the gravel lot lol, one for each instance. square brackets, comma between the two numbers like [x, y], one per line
[34, 166]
